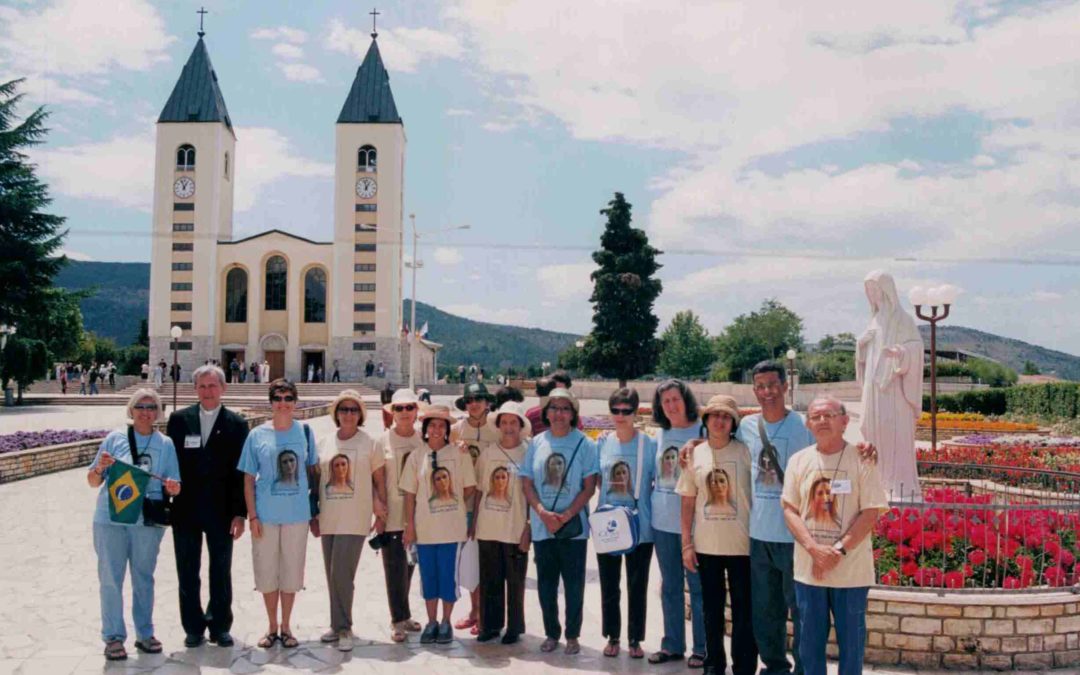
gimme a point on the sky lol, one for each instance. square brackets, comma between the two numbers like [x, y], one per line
[770, 149]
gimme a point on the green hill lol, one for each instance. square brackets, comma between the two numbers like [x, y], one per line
[1012, 353]
[123, 299]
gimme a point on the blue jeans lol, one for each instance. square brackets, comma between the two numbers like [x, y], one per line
[773, 587]
[848, 607]
[93, 388]
[672, 600]
[118, 546]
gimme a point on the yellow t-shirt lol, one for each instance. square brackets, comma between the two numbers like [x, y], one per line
[440, 493]
[720, 481]
[830, 491]
[501, 516]
[396, 450]
[345, 488]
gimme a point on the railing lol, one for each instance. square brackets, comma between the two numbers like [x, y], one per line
[982, 529]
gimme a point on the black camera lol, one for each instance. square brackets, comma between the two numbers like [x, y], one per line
[378, 541]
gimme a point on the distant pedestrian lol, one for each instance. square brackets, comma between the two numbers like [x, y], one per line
[336, 376]
[319, 374]
[112, 375]
[369, 368]
[63, 381]
[144, 372]
[380, 371]
[243, 371]
[94, 375]
[82, 380]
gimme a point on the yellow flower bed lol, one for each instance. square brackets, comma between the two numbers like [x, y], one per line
[952, 417]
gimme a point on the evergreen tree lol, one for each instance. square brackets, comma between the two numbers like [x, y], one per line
[623, 341]
[685, 348]
[144, 333]
[29, 238]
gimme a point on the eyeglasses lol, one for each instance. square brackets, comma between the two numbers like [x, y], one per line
[409, 407]
[145, 406]
[472, 399]
[560, 409]
[622, 411]
[824, 417]
[771, 386]
[348, 410]
[279, 399]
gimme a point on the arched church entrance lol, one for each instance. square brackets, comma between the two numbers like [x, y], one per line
[273, 349]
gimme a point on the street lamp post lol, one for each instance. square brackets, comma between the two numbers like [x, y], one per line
[5, 331]
[175, 332]
[935, 297]
[414, 264]
[791, 375]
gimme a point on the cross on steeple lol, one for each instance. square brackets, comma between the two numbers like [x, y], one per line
[202, 11]
[374, 15]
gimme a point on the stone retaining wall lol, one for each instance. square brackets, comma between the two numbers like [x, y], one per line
[40, 461]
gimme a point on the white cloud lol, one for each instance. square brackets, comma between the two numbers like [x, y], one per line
[80, 37]
[402, 49]
[119, 170]
[447, 256]
[287, 33]
[983, 160]
[567, 282]
[265, 155]
[488, 314]
[458, 112]
[300, 72]
[284, 50]
[499, 127]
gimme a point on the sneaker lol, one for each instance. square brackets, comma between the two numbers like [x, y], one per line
[431, 632]
[446, 633]
[329, 636]
[345, 641]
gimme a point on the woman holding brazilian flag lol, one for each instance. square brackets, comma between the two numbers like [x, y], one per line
[128, 477]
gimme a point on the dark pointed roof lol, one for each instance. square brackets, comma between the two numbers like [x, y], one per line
[196, 96]
[370, 99]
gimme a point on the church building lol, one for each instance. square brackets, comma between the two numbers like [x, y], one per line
[276, 296]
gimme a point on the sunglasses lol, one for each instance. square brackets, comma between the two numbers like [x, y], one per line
[348, 410]
[409, 407]
[622, 411]
[145, 406]
[473, 399]
[286, 399]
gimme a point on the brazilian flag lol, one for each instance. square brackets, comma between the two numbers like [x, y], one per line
[127, 487]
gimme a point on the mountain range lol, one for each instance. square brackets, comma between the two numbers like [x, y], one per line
[123, 295]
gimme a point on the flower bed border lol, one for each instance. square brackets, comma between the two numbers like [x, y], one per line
[23, 464]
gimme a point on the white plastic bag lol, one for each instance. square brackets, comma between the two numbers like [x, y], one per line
[469, 565]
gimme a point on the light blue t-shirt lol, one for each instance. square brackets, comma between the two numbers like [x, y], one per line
[156, 455]
[666, 504]
[279, 461]
[789, 436]
[545, 462]
[618, 477]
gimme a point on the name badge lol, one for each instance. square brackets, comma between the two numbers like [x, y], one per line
[192, 441]
[841, 486]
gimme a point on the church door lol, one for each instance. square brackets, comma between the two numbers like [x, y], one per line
[277, 364]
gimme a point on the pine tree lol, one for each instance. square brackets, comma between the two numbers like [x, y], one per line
[29, 238]
[623, 341]
[685, 348]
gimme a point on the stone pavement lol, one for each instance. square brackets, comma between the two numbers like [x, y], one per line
[49, 612]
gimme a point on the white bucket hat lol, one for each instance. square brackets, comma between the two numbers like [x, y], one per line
[510, 408]
[400, 397]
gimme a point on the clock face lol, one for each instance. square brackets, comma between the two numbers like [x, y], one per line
[365, 188]
[184, 187]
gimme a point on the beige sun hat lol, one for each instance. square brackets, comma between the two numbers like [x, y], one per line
[564, 394]
[510, 408]
[436, 412]
[721, 403]
[348, 395]
[401, 397]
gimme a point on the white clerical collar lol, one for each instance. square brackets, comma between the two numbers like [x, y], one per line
[208, 413]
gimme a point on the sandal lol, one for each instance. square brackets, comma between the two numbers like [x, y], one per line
[467, 622]
[150, 645]
[663, 657]
[695, 661]
[397, 633]
[267, 641]
[572, 647]
[636, 652]
[549, 645]
[114, 651]
[412, 626]
[611, 650]
[288, 641]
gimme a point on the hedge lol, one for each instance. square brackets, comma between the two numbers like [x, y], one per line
[985, 401]
[1055, 399]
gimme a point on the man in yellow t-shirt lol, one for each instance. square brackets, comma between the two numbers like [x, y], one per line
[831, 501]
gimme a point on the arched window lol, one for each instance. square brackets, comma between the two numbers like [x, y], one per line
[276, 283]
[236, 296]
[315, 296]
[185, 158]
[365, 158]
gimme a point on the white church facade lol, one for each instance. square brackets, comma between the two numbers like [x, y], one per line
[276, 296]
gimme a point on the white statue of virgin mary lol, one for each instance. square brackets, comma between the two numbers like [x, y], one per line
[889, 368]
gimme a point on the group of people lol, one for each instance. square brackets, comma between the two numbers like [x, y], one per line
[726, 503]
[69, 372]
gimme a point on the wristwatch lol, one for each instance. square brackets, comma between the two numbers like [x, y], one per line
[839, 546]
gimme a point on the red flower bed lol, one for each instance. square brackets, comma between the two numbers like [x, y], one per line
[1064, 458]
[968, 542]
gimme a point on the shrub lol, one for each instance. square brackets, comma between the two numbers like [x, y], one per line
[1053, 399]
[984, 401]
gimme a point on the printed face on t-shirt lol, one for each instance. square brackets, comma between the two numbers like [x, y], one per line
[340, 482]
[554, 469]
[499, 496]
[287, 468]
[669, 468]
[619, 481]
[146, 463]
[767, 468]
[442, 486]
[823, 509]
[720, 494]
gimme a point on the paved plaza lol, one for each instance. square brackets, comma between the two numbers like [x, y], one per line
[49, 612]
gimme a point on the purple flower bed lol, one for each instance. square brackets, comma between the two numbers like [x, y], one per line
[25, 440]
[1033, 440]
[596, 422]
[264, 408]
